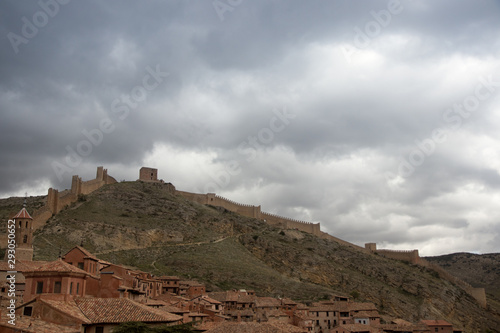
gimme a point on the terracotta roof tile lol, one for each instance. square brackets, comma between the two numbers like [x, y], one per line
[244, 327]
[173, 309]
[59, 266]
[84, 251]
[363, 314]
[68, 307]
[286, 327]
[208, 299]
[22, 266]
[117, 310]
[362, 306]
[23, 214]
[33, 325]
[436, 323]
[358, 328]
[267, 302]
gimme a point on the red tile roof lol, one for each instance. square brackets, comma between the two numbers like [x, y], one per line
[59, 266]
[436, 323]
[118, 310]
[33, 325]
[84, 251]
[358, 328]
[23, 214]
[267, 302]
[207, 299]
[22, 266]
[69, 308]
[251, 327]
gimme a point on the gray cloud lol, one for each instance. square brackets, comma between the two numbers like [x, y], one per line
[358, 117]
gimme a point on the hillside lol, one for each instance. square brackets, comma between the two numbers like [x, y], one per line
[482, 271]
[147, 226]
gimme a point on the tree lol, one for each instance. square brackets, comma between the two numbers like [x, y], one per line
[132, 327]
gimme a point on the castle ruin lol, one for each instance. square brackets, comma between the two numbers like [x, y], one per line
[56, 201]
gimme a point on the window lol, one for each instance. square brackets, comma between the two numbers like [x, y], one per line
[77, 288]
[39, 287]
[25, 239]
[436, 329]
[27, 311]
[57, 287]
[71, 288]
[80, 265]
[99, 329]
[26, 224]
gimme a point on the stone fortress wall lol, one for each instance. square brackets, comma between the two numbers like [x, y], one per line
[251, 211]
[413, 257]
[56, 200]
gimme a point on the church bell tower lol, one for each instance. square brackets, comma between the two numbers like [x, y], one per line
[24, 234]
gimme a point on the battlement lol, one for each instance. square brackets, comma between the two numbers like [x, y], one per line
[413, 257]
[251, 211]
[270, 215]
[56, 201]
[149, 175]
[233, 202]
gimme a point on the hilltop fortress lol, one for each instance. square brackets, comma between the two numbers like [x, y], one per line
[56, 201]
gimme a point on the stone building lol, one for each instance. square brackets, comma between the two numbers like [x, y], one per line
[23, 235]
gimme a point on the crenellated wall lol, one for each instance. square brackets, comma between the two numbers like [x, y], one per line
[410, 255]
[413, 257]
[312, 228]
[56, 201]
[245, 210]
[252, 211]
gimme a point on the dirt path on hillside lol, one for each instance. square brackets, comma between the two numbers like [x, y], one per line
[166, 245]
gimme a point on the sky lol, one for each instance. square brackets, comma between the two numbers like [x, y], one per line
[378, 119]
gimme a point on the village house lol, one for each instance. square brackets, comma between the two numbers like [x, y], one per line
[82, 293]
[99, 315]
[440, 326]
[20, 284]
[274, 327]
[191, 289]
[207, 305]
[303, 321]
[170, 284]
[325, 317]
[83, 259]
[59, 280]
[354, 328]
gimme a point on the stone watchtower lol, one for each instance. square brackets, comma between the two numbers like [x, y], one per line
[24, 234]
[148, 174]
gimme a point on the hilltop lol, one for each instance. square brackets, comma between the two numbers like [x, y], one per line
[149, 226]
[479, 270]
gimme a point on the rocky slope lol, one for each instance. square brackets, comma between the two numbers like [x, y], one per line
[482, 271]
[147, 226]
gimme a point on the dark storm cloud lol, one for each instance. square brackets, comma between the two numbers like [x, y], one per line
[357, 115]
